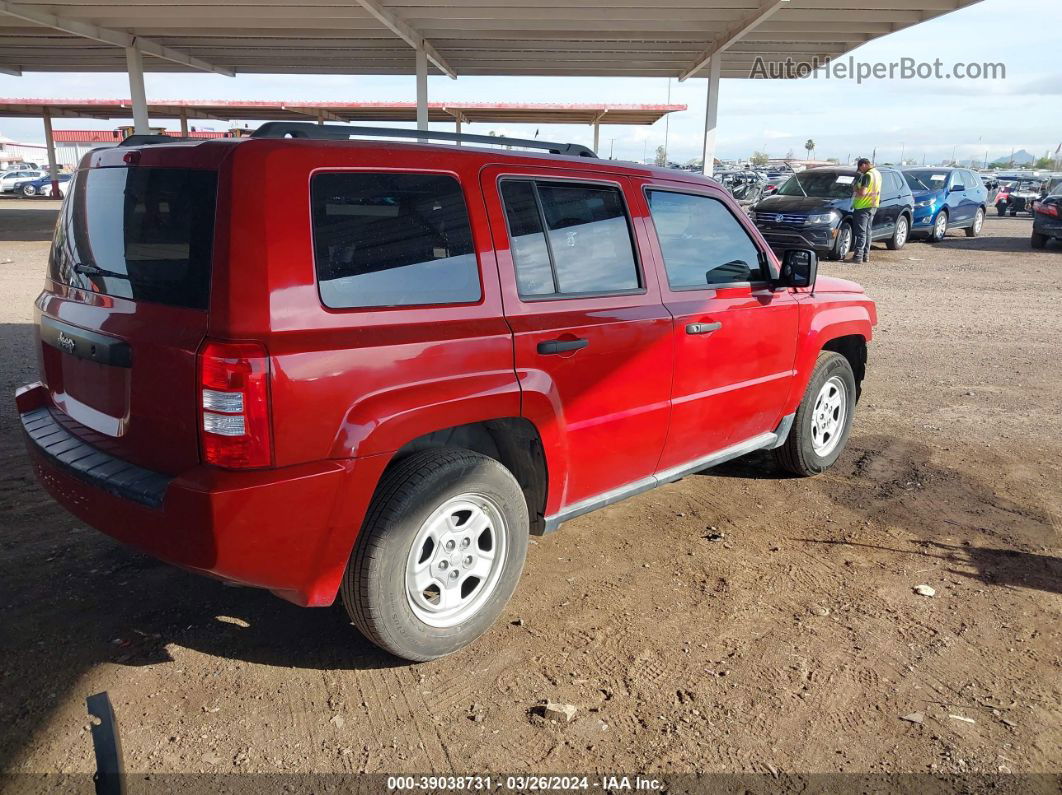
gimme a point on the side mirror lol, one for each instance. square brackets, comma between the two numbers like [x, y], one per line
[800, 266]
[956, 189]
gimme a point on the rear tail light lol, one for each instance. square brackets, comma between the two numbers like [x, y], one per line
[234, 405]
[1046, 209]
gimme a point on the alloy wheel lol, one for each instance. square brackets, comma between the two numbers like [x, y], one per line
[456, 560]
[828, 416]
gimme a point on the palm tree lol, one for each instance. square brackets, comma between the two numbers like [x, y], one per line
[809, 144]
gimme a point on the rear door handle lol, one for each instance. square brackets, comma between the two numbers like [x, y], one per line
[703, 328]
[561, 346]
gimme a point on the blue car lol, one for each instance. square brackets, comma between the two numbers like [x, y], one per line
[42, 186]
[946, 198]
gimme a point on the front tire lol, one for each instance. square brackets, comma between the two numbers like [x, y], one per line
[979, 221]
[1001, 210]
[899, 235]
[439, 555]
[940, 227]
[843, 244]
[823, 420]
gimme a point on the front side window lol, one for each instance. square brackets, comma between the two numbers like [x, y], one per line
[383, 239]
[702, 243]
[569, 239]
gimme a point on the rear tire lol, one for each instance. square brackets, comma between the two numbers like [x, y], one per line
[1001, 209]
[823, 420]
[975, 228]
[439, 518]
[899, 234]
[1038, 240]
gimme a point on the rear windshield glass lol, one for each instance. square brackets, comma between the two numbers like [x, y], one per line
[140, 233]
[392, 240]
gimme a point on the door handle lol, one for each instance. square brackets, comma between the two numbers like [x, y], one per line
[561, 346]
[703, 328]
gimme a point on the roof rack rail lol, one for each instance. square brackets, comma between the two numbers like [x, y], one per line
[336, 132]
[145, 140]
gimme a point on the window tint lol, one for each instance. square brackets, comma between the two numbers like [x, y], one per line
[584, 247]
[701, 241]
[392, 240]
[140, 233]
[534, 274]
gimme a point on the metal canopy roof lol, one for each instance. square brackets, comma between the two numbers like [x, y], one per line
[224, 110]
[461, 37]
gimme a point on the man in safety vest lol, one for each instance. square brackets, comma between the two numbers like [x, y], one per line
[866, 196]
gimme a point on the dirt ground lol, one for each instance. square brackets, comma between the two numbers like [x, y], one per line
[793, 642]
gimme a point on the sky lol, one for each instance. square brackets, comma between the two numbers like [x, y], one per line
[932, 119]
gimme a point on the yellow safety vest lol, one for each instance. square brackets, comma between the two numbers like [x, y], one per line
[872, 198]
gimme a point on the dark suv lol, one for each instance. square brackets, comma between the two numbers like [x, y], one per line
[321, 366]
[813, 209]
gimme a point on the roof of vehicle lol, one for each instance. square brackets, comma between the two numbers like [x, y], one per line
[212, 152]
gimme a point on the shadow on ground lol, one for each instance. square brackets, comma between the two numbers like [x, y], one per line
[27, 224]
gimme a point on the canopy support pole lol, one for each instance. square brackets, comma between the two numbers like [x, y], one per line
[184, 123]
[49, 142]
[134, 62]
[422, 89]
[711, 114]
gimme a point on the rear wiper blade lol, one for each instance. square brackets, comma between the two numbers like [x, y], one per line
[94, 270]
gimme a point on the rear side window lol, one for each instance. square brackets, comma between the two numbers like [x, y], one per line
[383, 239]
[569, 239]
[140, 233]
[702, 243]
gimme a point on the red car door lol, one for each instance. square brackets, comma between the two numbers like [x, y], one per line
[735, 337]
[593, 349]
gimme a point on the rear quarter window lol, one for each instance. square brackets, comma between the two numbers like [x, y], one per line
[390, 239]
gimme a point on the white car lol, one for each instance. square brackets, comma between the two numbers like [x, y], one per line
[11, 178]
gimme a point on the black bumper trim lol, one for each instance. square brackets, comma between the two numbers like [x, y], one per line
[91, 464]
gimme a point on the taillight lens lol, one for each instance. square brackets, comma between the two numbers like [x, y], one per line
[1046, 209]
[234, 405]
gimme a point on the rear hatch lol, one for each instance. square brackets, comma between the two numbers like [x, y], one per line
[125, 309]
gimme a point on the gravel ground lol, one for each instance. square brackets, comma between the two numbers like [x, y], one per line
[793, 642]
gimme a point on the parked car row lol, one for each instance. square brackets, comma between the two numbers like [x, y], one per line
[813, 209]
[32, 182]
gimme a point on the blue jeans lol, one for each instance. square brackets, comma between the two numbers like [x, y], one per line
[863, 220]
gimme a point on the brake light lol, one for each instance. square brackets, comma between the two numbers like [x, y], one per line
[234, 405]
[1046, 209]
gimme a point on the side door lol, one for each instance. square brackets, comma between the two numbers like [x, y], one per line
[592, 339]
[956, 199]
[735, 338]
[889, 209]
[975, 194]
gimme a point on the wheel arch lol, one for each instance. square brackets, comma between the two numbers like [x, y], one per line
[514, 442]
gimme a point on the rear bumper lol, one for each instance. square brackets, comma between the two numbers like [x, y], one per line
[289, 530]
[1046, 225]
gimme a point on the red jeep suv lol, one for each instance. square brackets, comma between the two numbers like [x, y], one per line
[321, 365]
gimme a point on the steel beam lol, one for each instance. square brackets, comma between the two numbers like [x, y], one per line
[106, 35]
[731, 35]
[408, 34]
